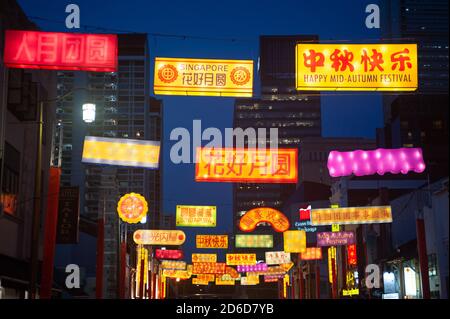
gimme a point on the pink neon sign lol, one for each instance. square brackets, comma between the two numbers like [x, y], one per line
[379, 161]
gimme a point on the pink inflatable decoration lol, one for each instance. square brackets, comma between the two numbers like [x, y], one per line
[380, 161]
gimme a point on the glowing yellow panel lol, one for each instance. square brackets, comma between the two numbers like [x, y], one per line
[351, 215]
[356, 67]
[212, 241]
[203, 77]
[195, 216]
[294, 241]
[241, 259]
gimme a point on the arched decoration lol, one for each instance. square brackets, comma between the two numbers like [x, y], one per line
[253, 217]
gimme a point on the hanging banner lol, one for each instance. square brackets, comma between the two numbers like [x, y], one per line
[230, 271]
[312, 253]
[205, 77]
[68, 215]
[351, 255]
[240, 259]
[356, 67]
[331, 257]
[260, 267]
[221, 282]
[277, 257]
[294, 241]
[351, 215]
[341, 238]
[173, 264]
[253, 217]
[212, 241]
[206, 277]
[168, 254]
[132, 208]
[159, 237]
[60, 51]
[208, 268]
[246, 165]
[195, 216]
[196, 281]
[212, 258]
[250, 280]
[379, 161]
[181, 274]
[121, 152]
[254, 241]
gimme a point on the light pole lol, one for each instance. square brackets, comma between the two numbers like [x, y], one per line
[37, 197]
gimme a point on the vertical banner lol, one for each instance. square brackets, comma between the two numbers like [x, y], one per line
[50, 233]
[68, 215]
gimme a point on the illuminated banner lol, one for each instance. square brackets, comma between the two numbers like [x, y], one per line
[351, 215]
[254, 241]
[208, 268]
[335, 238]
[294, 241]
[196, 216]
[206, 277]
[173, 264]
[196, 281]
[211, 258]
[132, 208]
[274, 217]
[203, 77]
[67, 229]
[350, 292]
[221, 282]
[159, 237]
[230, 271]
[168, 254]
[277, 257]
[241, 259]
[250, 280]
[212, 241]
[120, 152]
[246, 165]
[276, 270]
[260, 267]
[60, 51]
[331, 257]
[312, 253]
[181, 274]
[379, 161]
[356, 67]
[351, 255]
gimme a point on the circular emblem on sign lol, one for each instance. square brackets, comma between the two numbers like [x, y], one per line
[240, 75]
[168, 73]
[132, 208]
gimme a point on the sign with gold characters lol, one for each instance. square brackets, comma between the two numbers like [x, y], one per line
[195, 216]
[356, 67]
[205, 77]
[351, 215]
[212, 241]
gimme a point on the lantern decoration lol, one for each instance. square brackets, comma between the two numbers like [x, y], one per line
[379, 161]
[132, 208]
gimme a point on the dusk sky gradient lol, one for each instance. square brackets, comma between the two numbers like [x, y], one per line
[343, 115]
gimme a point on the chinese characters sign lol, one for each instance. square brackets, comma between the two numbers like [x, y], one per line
[208, 268]
[379, 161]
[356, 67]
[132, 208]
[254, 241]
[246, 165]
[196, 216]
[253, 217]
[206, 277]
[212, 258]
[181, 274]
[168, 254]
[261, 267]
[203, 77]
[250, 280]
[173, 264]
[241, 259]
[294, 241]
[224, 282]
[121, 152]
[335, 238]
[159, 237]
[351, 255]
[60, 51]
[351, 215]
[212, 241]
[277, 257]
[312, 253]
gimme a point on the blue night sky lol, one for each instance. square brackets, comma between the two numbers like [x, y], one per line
[342, 115]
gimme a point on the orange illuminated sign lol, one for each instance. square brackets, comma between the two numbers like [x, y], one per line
[132, 208]
[224, 282]
[274, 217]
[356, 67]
[212, 241]
[351, 215]
[181, 274]
[208, 268]
[159, 237]
[230, 271]
[212, 258]
[246, 165]
[294, 241]
[197, 281]
[204, 77]
[312, 253]
[60, 51]
[241, 259]
[195, 216]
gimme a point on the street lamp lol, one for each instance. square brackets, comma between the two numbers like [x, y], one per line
[88, 112]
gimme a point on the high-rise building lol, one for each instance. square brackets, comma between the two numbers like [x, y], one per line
[124, 109]
[295, 115]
